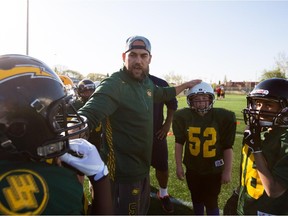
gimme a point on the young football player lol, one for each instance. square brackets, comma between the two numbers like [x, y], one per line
[208, 136]
[34, 139]
[264, 164]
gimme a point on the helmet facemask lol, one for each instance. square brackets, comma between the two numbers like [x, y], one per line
[63, 124]
[205, 93]
[201, 103]
[273, 92]
[265, 118]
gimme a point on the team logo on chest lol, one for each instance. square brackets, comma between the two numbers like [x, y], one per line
[149, 92]
[23, 192]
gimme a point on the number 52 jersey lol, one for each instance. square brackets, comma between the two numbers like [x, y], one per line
[205, 138]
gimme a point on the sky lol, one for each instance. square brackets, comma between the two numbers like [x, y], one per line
[210, 40]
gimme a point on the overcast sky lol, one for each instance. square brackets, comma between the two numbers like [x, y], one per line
[194, 39]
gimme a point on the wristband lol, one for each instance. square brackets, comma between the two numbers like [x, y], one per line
[256, 152]
[99, 175]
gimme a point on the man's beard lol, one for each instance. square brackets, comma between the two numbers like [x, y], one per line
[143, 75]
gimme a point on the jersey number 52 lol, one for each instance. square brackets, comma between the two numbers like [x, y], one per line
[209, 134]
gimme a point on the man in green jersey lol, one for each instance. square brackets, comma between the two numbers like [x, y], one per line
[208, 136]
[34, 133]
[124, 102]
[264, 164]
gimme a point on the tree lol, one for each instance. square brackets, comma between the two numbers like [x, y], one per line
[281, 69]
[273, 73]
[173, 78]
[96, 76]
[60, 68]
[72, 74]
[225, 80]
[282, 63]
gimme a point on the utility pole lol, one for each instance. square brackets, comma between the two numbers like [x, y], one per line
[27, 30]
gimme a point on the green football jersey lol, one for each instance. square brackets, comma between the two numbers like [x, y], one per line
[252, 197]
[205, 138]
[38, 188]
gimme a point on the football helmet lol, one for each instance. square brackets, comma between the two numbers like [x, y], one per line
[201, 88]
[68, 83]
[33, 105]
[85, 88]
[274, 90]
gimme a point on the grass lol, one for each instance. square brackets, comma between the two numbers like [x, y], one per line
[178, 189]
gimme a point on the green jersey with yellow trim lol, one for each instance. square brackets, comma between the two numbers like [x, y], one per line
[124, 106]
[252, 196]
[205, 137]
[38, 188]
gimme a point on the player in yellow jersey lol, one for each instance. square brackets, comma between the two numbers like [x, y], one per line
[264, 166]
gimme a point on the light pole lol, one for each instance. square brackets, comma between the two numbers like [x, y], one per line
[27, 30]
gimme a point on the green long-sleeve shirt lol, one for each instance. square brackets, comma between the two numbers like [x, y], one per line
[126, 105]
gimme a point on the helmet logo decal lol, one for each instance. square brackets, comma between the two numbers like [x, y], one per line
[24, 71]
[149, 92]
[25, 192]
[260, 91]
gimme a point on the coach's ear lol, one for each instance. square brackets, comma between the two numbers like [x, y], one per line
[123, 57]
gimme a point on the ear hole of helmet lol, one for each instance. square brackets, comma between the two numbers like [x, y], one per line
[17, 129]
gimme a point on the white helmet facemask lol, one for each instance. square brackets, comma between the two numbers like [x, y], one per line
[204, 89]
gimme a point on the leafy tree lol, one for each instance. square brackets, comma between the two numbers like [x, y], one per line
[273, 73]
[281, 69]
[73, 74]
[96, 76]
[282, 63]
[225, 79]
[60, 68]
[173, 78]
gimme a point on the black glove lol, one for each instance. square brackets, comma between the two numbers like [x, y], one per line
[252, 137]
[230, 207]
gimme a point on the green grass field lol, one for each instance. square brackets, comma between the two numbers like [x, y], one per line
[178, 189]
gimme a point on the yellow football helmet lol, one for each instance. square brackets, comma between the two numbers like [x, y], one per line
[68, 83]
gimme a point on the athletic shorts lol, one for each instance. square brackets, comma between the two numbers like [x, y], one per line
[160, 154]
[204, 188]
